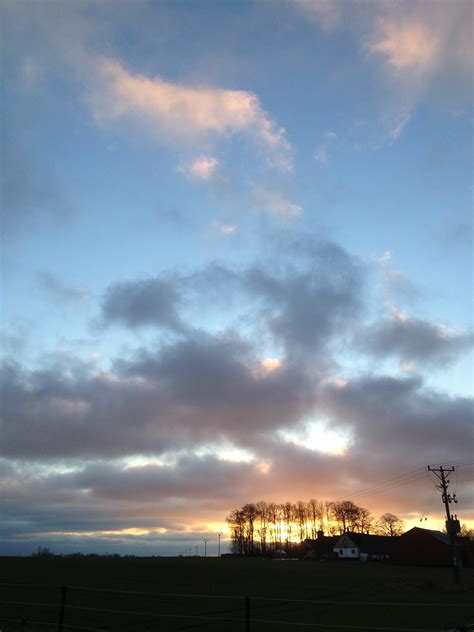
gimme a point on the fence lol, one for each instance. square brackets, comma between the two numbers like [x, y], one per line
[65, 608]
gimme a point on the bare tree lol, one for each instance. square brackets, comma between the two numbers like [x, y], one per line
[301, 519]
[236, 522]
[250, 515]
[390, 524]
[263, 515]
[315, 510]
[287, 513]
[365, 521]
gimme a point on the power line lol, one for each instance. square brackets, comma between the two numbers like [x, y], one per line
[402, 479]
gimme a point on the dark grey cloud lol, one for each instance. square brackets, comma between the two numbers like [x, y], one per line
[412, 339]
[190, 477]
[144, 302]
[197, 390]
[401, 417]
[317, 292]
[101, 496]
[308, 308]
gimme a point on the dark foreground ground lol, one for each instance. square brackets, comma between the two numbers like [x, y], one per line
[208, 594]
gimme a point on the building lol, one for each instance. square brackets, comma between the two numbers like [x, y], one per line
[426, 547]
[320, 548]
[362, 546]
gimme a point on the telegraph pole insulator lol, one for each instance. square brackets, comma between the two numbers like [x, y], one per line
[453, 526]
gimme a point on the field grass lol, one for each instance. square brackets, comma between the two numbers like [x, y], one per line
[222, 585]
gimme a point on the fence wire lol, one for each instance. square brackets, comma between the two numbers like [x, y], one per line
[240, 613]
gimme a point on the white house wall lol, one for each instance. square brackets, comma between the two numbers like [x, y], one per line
[347, 553]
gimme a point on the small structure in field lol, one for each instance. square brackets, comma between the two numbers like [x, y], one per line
[362, 546]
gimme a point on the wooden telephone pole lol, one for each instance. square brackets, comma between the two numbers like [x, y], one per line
[453, 526]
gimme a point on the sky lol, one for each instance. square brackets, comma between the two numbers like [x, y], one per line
[236, 264]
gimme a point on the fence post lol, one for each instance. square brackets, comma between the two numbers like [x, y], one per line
[62, 608]
[247, 613]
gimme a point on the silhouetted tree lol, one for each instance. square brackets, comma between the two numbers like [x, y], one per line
[250, 516]
[349, 517]
[301, 519]
[390, 524]
[236, 522]
[263, 516]
[315, 513]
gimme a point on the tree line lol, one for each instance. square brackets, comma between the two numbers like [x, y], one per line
[264, 528]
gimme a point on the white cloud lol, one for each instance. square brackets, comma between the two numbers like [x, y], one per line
[321, 155]
[322, 151]
[185, 112]
[202, 168]
[397, 124]
[405, 43]
[226, 229]
[419, 45]
[276, 203]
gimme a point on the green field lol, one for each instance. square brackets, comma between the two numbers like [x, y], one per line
[212, 595]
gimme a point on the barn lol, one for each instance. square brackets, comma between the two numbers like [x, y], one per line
[423, 547]
[426, 547]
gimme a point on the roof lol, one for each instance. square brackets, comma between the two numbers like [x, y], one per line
[438, 535]
[367, 543]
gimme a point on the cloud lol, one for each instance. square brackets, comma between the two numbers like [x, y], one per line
[226, 229]
[202, 168]
[397, 124]
[301, 306]
[395, 285]
[185, 394]
[27, 193]
[326, 12]
[414, 340]
[457, 234]
[305, 309]
[422, 48]
[276, 203]
[172, 401]
[59, 291]
[185, 112]
[322, 151]
[405, 44]
[145, 302]
[408, 420]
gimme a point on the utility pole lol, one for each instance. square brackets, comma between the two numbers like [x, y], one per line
[219, 533]
[205, 548]
[453, 526]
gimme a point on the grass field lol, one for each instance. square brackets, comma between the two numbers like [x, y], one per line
[220, 585]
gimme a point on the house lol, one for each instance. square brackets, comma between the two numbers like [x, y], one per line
[320, 548]
[426, 547]
[362, 546]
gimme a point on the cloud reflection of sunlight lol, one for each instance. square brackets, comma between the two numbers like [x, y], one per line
[317, 436]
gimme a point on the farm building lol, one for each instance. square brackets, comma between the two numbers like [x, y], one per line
[426, 547]
[362, 546]
[320, 548]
